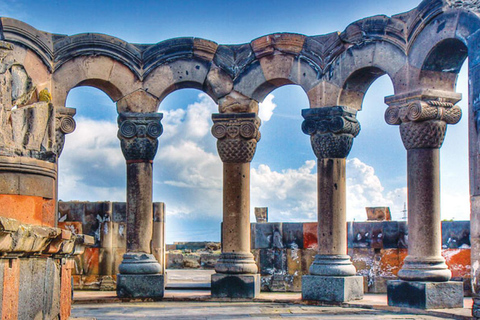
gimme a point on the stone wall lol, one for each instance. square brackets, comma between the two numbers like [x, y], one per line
[97, 268]
[285, 251]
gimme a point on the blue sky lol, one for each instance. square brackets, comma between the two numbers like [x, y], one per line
[187, 170]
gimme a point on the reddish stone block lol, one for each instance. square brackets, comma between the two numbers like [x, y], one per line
[77, 282]
[310, 237]
[11, 277]
[28, 209]
[458, 261]
[65, 291]
[390, 262]
[91, 261]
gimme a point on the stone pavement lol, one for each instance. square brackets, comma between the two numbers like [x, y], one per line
[198, 304]
[230, 310]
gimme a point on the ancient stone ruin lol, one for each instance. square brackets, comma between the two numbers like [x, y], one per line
[421, 51]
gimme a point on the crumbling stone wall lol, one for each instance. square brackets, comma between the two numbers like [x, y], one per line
[285, 251]
[97, 267]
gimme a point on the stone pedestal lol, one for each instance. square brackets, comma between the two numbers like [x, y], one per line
[423, 123]
[425, 295]
[235, 286]
[141, 276]
[331, 288]
[140, 286]
[236, 275]
[332, 274]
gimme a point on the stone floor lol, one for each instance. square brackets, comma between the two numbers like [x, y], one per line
[197, 304]
[188, 297]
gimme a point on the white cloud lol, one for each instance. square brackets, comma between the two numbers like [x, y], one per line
[364, 189]
[291, 194]
[265, 108]
[92, 166]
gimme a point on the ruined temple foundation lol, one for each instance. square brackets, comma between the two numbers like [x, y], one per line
[424, 278]
[236, 272]
[332, 275]
[141, 276]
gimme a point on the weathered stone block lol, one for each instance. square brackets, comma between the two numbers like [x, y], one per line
[332, 289]
[292, 235]
[268, 235]
[119, 211]
[140, 286]
[362, 232]
[307, 259]
[402, 235]
[458, 261]
[390, 234]
[377, 235]
[235, 286]
[273, 261]
[425, 295]
[455, 234]
[310, 235]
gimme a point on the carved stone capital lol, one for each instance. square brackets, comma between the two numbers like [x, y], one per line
[64, 124]
[331, 129]
[237, 134]
[138, 133]
[423, 123]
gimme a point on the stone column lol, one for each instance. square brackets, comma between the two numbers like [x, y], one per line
[474, 164]
[423, 123]
[236, 272]
[158, 238]
[139, 271]
[332, 274]
[107, 255]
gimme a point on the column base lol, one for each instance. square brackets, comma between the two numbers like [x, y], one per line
[235, 286]
[332, 289]
[140, 286]
[425, 295]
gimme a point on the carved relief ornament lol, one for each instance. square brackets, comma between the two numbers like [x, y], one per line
[237, 134]
[138, 133]
[331, 130]
[423, 123]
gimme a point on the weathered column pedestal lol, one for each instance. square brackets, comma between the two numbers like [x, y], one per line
[424, 276]
[140, 273]
[332, 275]
[236, 272]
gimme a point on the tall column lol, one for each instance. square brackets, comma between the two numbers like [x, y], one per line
[423, 124]
[332, 274]
[236, 272]
[139, 271]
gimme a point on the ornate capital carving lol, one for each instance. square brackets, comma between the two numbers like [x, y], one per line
[64, 124]
[331, 129]
[423, 123]
[237, 134]
[138, 133]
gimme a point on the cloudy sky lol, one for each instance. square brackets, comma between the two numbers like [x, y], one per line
[187, 169]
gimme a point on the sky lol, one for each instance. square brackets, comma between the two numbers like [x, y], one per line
[187, 169]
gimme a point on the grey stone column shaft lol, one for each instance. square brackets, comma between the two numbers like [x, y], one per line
[423, 125]
[139, 207]
[237, 136]
[424, 223]
[236, 207]
[138, 133]
[332, 215]
[332, 130]
[158, 237]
